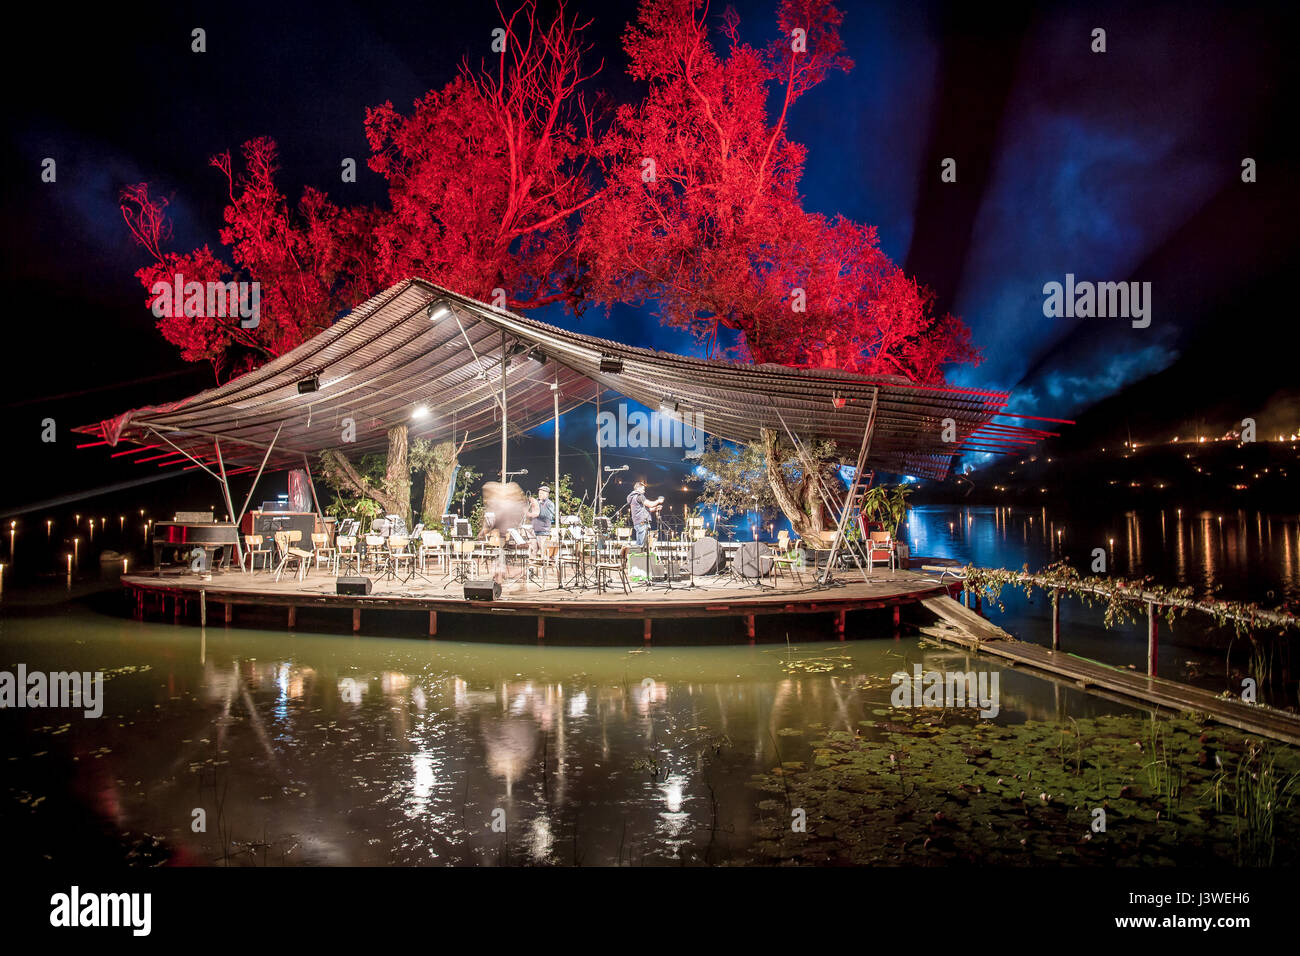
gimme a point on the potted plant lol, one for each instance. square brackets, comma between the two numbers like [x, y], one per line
[888, 508]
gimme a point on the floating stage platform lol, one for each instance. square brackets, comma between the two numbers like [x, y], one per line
[716, 610]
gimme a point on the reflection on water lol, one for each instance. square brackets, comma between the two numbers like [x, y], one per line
[312, 749]
[1247, 554]
[1236, 554]
[307, 749]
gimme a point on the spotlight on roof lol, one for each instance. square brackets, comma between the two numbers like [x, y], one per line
[670, 405]
[537, 355]
[611, 363]
[437, 309]
[309, 384]
[420, 411]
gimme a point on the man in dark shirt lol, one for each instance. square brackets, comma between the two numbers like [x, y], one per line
[641, 509]
[544, 513]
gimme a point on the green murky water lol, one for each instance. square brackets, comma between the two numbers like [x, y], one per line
[302, 749]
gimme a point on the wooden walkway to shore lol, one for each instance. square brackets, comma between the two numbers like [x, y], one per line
[965, 628]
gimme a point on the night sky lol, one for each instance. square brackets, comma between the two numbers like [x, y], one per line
[1114, 167]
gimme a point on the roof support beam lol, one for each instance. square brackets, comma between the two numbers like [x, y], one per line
[230, 506]
[256, 478]
[184, 452]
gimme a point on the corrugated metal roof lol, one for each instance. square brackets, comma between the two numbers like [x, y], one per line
[387, 356]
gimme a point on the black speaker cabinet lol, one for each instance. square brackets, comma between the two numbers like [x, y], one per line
[357, 585]
[482, 590]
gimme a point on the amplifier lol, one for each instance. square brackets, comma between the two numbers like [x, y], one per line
[482, 590]
[357, 585]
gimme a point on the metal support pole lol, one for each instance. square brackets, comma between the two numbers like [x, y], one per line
[311, 483]
[600, 472]
[1056, 620]
[1153, 630]
[503, 408]
[555, 395]
[230, 507]
[258, 477]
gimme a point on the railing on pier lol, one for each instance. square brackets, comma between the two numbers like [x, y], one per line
[1243, 616]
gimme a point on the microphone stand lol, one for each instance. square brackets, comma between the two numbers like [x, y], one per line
[595, 514]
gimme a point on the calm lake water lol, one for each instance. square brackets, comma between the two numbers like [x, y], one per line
[320, 749]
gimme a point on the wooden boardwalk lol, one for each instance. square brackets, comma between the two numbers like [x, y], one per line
[967, 629]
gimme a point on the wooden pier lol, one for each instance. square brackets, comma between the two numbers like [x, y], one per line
[963, 627]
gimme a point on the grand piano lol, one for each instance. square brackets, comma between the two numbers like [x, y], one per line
[178, 538]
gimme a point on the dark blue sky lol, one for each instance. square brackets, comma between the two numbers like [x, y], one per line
[1116, 166]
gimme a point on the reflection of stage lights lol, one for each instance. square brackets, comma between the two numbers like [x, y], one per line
[673, 794]
[578, 704]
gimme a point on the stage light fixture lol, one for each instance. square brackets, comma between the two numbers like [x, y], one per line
[437, 310]
[309, 384]
[537, 355]
[670, 405]
[420, 411]
[611, 363]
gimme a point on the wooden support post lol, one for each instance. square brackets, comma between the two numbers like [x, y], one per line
[1056, 620]
[645, 630]
[839, 624]
[293, 616]
[230, 609]
[203, 608]
[433, 623]
[356, 620]
[541, 628]
[898, 615]
[979, 604]
[749, 627]
[1152, 636]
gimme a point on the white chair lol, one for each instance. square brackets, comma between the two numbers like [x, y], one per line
[432, 543]
[346, 554]
[321, 550]
[399, 553]
[376, 552]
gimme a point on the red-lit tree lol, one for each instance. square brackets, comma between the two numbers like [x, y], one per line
[311, 263]
[702, 216]
[493, 191]
[487, 175]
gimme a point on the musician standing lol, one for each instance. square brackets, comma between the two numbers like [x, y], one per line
[641, 509]
[542, 511]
